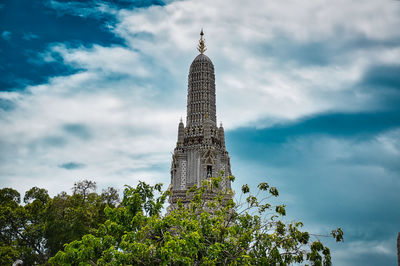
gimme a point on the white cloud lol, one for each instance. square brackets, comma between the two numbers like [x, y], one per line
[107, 60]
[131, 97]
[130, 136]
[253, 85]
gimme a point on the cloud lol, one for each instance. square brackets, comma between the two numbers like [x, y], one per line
[273, 66]
[338, 125]
[297, 71]
[368, 252]
[29, 36]
[72, 165]
[108, 61]
[6, 105]
[381, 82]
[6, 35]
[284, 64]
[96, 9]
[78, 130]
[120, 137]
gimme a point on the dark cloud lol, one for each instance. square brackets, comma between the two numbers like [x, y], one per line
[305, 54]
[346, 125]
[6, 105]
[72, 165]
[383, 76]
[372, 259]
[78, 130]
[51, 141]
[382, 84]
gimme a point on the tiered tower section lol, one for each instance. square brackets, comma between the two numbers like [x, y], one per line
[200, 151]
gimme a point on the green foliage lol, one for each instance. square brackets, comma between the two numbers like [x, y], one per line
[39, 229]
[337, 234]
[209, 231]
[21, 227]
[87, 228]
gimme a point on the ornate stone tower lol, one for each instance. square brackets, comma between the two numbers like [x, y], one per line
[200, 152]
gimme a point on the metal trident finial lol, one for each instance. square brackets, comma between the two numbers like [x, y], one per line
[201, 47]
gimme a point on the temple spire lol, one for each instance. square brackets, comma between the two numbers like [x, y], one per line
[201, 47]
[200, 150]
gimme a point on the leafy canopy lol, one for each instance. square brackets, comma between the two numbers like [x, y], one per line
[214, 231]
[39, 228]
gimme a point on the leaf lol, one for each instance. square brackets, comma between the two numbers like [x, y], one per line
[245, 189]
[263, 186]
[274, 191]
[338, 234]
[281, 209]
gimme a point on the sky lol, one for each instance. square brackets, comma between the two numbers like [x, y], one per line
[308, 93]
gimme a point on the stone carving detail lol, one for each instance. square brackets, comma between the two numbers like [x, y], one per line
[183, 175]
[173, 163]
[208, 157]
[223, 183]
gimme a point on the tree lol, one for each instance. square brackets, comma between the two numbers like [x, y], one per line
[37, 230]
[22, 227]
[69, 217]
[9, 202]
[84, 188]
[207, 232]
[110, 196]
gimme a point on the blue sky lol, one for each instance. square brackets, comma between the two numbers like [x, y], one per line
[308, 92]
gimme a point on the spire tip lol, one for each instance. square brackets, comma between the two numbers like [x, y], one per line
[201, 47]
